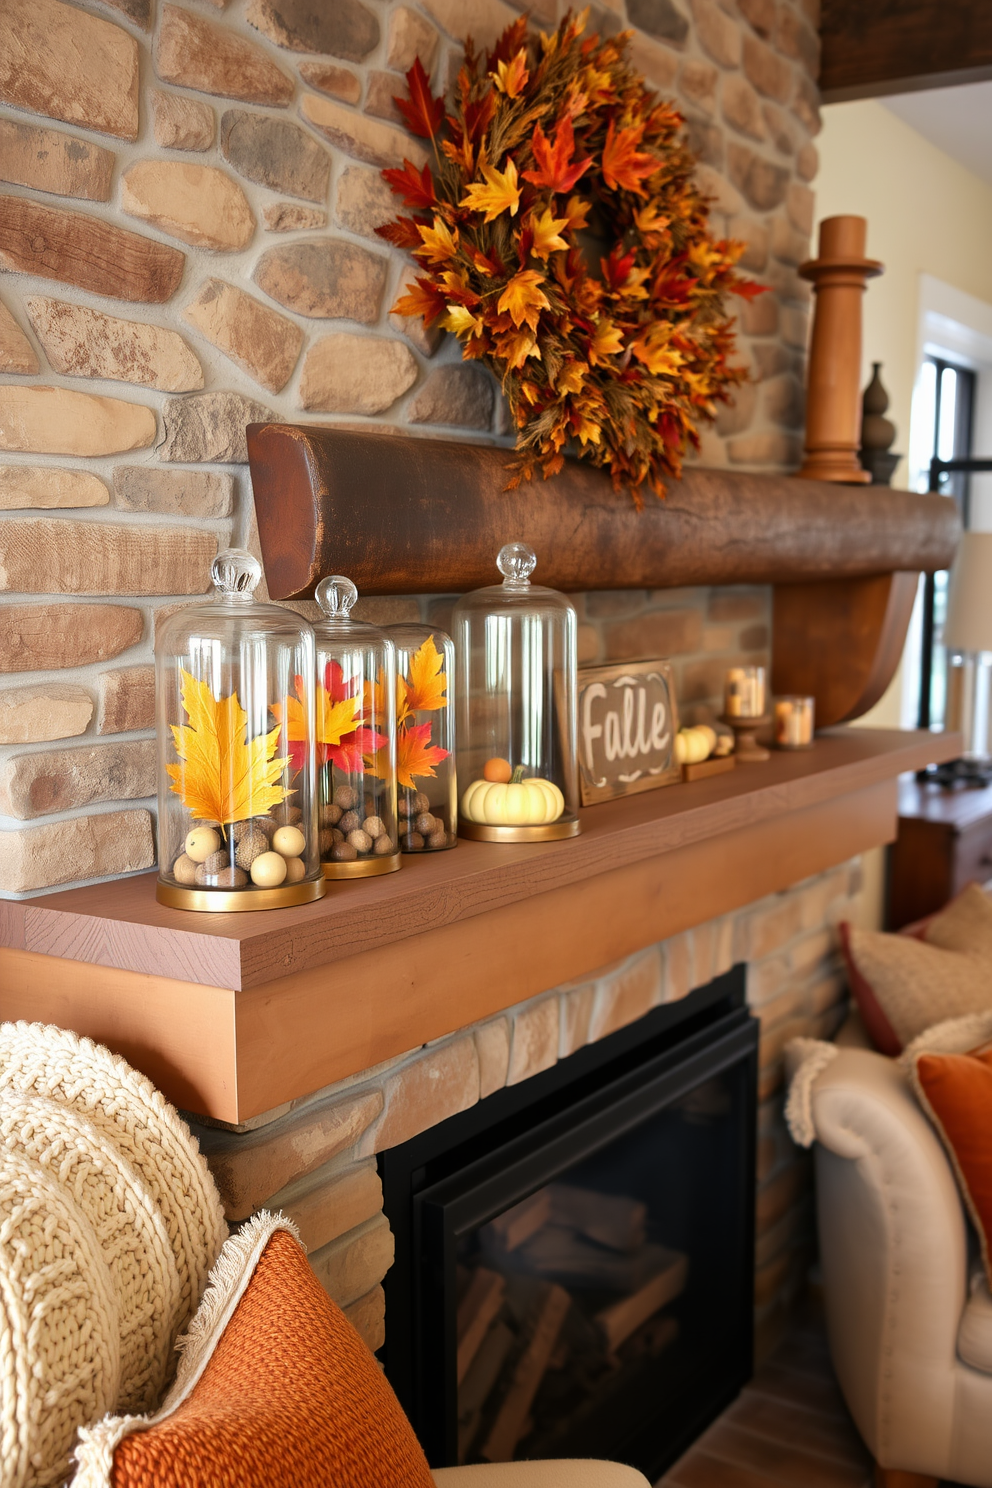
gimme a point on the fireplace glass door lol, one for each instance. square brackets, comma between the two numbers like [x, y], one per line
[585, 1284]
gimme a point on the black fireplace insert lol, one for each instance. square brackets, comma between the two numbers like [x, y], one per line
[575, 1254]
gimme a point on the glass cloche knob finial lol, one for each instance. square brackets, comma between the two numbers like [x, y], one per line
[516, 562]
[336, 595]
[235, 571]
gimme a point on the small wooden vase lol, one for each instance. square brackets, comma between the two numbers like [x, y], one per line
[747, 750]
[833, 402]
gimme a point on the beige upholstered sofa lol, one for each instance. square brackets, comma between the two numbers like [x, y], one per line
[909, 1313]
[540, 1475]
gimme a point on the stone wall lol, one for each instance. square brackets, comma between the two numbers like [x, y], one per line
[314, 1159]
[187, 211]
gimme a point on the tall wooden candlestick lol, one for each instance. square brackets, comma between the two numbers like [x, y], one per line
[833, 398]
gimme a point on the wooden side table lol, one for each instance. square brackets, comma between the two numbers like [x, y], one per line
[944, 843]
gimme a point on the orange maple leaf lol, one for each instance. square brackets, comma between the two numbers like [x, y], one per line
[499, 194]
[415, 755]
[555, 169]
[439, 243]
[421, 298]
[623, 164]
[423, 690]
[516, 346]
[546, 233]
[523, 300]
[511, 77]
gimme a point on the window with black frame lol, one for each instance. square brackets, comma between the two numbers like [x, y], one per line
[942, 414]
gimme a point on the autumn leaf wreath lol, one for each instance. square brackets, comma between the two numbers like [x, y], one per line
[564, 241]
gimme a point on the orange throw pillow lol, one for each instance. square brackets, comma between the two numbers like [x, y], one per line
[282, 1393]
[956, 1092]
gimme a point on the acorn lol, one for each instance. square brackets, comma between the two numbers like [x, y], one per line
[421, 802]
[425, 824]
[349, 822]
[345, 797]
[343, 852]
[360, 841]
[184, 869]
[286, 815]
[251, 846]
[383, 845]
[331, 814]
[227, 878]
[374, 826]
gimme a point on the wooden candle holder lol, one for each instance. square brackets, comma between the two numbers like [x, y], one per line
[747, 750]
[833, 402]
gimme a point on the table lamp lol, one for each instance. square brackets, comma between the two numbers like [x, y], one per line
[967, 635]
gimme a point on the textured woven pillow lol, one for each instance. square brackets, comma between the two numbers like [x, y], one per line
[904, 984]
[109, 1224]
[275, 1389]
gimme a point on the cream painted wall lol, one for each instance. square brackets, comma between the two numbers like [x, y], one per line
[926, 215]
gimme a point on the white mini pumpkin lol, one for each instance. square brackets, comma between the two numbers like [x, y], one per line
[524, 803]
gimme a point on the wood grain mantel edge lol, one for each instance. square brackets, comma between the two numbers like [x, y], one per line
[120, 925]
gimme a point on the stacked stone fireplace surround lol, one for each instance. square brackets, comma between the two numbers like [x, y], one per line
[188, 198]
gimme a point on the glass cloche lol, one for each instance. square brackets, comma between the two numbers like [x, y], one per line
[355, 739]
[515, 648]
[427, 793]
[237, 817]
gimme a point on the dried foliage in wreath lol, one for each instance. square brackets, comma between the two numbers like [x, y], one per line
[565, 243]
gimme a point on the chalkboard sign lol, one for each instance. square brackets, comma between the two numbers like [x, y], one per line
[628, 719]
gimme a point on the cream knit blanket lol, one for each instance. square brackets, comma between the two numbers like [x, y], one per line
[109, 1225]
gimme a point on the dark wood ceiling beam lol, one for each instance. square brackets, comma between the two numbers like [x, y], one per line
[871, 48]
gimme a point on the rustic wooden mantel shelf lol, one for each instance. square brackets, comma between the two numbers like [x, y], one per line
[235, 1014]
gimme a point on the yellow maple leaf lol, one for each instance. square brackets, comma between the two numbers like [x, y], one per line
[461, 321]
[220, 777]
[423, 689]
[439, 243]
[511, 77]
[499, 194]
[546, 233]
[653, 350]
[523, 299]
[571, 377]
[607, 341]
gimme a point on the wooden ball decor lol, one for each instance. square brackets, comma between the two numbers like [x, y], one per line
[268, 870]
[833, 396]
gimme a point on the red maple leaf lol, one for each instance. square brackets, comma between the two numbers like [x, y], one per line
[512, 39]
[402, 233]
[748, 289]
[623, 164]
[415, 755]
[415, 187]
[422, 111]
[556, 170]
